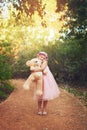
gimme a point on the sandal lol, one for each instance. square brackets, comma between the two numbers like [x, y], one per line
[39, 113]
[44, 113]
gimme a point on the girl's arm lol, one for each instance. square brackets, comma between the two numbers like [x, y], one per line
[44, 65]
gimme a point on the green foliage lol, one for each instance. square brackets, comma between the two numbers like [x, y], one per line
[5, 68]
[77, 13]
[67, 60]
[5, 90]
[73, 60]
[6, 87]
[74, 91]
[78, 92]
[6, 60]
[3, 95]
[19, 68]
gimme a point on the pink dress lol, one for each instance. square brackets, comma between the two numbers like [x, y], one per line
[50, 87]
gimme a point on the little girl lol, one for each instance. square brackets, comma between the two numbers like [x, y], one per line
[50, 87]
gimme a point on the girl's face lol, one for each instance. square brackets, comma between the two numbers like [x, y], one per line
[42, 57]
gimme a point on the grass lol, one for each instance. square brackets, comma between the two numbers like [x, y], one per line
[79, 92]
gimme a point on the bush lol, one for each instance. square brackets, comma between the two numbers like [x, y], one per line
[3, 95]
[5, 68]
[5, 90]
[19, 68]
[5, 74]
[67, 60]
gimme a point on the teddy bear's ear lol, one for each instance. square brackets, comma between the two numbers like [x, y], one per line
[28, 63]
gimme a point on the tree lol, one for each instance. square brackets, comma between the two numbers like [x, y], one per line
[77, 14]
[29, 7]
[61, 4]
[76, 22]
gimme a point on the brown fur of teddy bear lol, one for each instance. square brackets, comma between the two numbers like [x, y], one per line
[35, 76]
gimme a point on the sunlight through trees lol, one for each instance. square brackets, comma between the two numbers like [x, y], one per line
[22, 29]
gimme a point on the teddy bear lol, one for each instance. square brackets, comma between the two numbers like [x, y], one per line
[35, 76]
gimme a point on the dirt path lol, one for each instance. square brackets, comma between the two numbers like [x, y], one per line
[19, 112]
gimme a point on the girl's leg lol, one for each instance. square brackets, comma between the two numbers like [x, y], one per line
[44, 107]
[39, 106]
